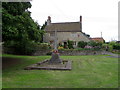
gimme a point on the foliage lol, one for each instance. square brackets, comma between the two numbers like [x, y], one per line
[17, 23]
[60, 48]
[70, 44]
[105, 46]
[86, 34]
[82, 44]
[116, 46]
[18, 27]
[24, 47]
[43, 46]
[44, 25]
[42, 29]
[112, 43]
[95, 44]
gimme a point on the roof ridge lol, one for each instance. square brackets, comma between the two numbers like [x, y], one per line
[65, 22]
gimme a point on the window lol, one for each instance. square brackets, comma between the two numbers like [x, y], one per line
[52, 34]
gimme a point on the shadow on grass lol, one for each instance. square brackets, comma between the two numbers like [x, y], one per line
[8, 62]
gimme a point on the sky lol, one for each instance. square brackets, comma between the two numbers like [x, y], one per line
[97, 15]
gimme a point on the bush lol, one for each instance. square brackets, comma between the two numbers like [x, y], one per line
[82, 44]
[105, 47]
[60, 48]
[70, 44]
[116, 46]
[42, 47]
[95, 45]
[110, 48]
[24, 47]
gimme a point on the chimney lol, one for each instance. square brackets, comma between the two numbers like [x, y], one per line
[80, 19]
[81, 23]
[49, 20]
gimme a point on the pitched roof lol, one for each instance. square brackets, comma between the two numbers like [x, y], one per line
[64, 27]
[97, 39]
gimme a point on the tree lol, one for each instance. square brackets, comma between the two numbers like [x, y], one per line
[17, 23]
[43, 31]
[19, 27]
[86, 34]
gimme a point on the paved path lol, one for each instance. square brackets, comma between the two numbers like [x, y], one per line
[112, 55]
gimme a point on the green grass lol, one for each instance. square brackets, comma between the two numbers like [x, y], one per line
[87, 72]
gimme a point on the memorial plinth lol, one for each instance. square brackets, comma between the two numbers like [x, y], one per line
[55, 63]
[55, 59]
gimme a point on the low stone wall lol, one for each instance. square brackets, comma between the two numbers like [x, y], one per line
[84, 52]
[71, 52]
[41, 52]
[62, 52]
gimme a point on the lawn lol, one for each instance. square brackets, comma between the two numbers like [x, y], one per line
[87, 72]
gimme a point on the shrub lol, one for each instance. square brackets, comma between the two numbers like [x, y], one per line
[95, 45]
[105, 47]
[112, 45]
[82, 44]
[70, 44]
[24, 47]
[60, 48]
[110, 48]
[42, 47]
[116, 46]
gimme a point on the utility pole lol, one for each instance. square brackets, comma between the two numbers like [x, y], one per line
[101, 34]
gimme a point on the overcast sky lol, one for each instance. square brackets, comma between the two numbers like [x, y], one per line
[97, 15]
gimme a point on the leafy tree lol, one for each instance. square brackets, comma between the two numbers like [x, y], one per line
[44, 25]
[18, 26]
[86, 34]
[43, 31]
[17, 23]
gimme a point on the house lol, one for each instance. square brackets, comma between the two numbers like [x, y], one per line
[98, 39]
[65, 31]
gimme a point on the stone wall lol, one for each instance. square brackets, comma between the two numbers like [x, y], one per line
[62, 52]
[71, 52]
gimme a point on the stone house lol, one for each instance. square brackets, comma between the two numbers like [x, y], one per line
[65, 31]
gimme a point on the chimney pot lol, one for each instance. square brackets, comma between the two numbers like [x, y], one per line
[49, 20]
[81, 23]
[80, 19]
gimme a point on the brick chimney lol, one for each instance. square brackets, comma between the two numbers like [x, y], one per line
[81, 23]
[49, 20]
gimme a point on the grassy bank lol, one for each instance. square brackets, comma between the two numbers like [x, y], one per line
[87, 72]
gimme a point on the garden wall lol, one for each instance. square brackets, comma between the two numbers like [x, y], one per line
[62, 52]
[71, 52]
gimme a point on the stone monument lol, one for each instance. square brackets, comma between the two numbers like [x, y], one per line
[55, 59]
[55, 63]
